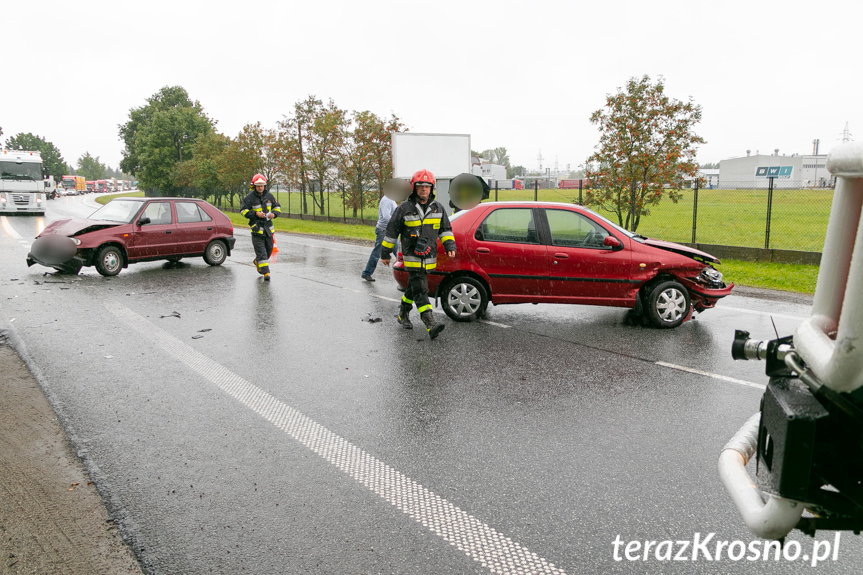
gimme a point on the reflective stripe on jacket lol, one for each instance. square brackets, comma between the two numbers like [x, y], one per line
[411, 223]
[252, 204]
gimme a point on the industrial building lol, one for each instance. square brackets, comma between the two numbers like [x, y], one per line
[795, 171]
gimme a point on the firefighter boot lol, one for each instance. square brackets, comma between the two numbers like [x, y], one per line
[403, 318]
[434, 328]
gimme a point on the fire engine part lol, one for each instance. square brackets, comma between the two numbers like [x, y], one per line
[829, 340]
[772, 519]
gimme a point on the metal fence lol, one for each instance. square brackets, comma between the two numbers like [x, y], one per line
[771, 215]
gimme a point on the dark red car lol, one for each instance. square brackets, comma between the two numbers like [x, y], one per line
[538, 252]
[130, 230]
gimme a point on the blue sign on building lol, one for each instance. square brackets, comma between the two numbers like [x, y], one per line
[774, 171]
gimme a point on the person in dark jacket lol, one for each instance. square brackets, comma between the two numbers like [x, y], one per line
[260, 207]
[420, 222]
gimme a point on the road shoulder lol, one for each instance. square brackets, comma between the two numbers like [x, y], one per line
[52, 519]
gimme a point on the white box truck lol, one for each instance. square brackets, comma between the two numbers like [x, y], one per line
[22, 190]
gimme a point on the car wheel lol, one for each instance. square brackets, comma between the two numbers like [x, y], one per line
[464, 298]
[668, 304]
[109, 261]
[216, 253]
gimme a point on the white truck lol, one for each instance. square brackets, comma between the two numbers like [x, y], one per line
[22, 190]
[52, 190]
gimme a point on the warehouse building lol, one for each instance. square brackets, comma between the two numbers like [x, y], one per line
[755, 171]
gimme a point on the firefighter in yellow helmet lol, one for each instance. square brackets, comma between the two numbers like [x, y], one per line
[260, 208]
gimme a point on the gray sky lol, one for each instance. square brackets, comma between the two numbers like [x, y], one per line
[523, 75]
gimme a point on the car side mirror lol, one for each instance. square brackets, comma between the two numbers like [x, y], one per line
[612, 242]
[144, 220]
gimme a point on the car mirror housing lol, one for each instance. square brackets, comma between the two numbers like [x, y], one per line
[612, 242]
[144, 220]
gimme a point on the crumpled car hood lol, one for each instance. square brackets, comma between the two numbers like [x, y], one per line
[693, 253]
[76, 226]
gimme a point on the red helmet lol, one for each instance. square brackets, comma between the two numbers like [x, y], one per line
[422, 177]
[259, 180]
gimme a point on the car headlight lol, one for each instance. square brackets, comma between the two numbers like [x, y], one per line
[711, 277]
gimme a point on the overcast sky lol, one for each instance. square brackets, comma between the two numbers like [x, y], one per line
[522, 75]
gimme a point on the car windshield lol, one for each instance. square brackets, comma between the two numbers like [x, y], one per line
[622, 230]
[117, 211]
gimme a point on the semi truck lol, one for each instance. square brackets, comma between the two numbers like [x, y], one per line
[573, 184]
[75, 185]
[52, 190]
[22, 186]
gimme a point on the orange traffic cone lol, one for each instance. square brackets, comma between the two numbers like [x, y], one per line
[275, 247]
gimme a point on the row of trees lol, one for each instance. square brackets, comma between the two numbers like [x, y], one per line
[88, 166]
[173, 147]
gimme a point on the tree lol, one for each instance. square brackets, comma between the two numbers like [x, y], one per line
[382, 150]
[646, 148]
[91, 168]
[204, 170]
[709, 166]
[156, 134]
[52, 160]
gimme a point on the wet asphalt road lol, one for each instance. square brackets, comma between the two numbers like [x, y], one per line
[273, 428]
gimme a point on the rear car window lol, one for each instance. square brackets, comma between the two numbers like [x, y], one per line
[190, 212]
[508, 225]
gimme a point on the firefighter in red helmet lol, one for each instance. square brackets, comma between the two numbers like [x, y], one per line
[420, 222]
[261, 207]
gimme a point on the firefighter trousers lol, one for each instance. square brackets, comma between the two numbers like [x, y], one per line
[263, 244]
[417, 292]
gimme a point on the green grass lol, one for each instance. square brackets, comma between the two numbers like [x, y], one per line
[660, 224]
[786, 277]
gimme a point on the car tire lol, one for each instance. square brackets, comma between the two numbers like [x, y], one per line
[109, 261]
[464, 298]
[216, 253]
[668, 304]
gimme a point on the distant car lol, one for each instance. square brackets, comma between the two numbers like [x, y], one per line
[539, 252]
[131, 230]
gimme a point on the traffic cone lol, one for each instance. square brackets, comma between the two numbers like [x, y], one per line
[275, 247]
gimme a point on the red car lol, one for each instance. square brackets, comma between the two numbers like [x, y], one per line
[130, 230]
[538, 252]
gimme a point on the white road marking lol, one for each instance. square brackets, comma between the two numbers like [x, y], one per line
[765, 313]
[713, 375]
[493, 550]
[7, 227]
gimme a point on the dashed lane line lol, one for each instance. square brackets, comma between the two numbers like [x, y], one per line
[492, 549]
[711, 375]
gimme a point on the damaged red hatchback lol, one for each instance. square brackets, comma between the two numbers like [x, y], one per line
[540, 252]
[129, 230]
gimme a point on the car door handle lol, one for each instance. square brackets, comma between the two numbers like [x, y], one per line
[561, 256]
[167, 231]
[209, 228]
[483, 251]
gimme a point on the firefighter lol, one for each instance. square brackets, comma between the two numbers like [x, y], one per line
[420, 221]
[260, 207]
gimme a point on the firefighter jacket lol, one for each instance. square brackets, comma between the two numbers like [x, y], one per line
[254, 203]
[419, 227]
